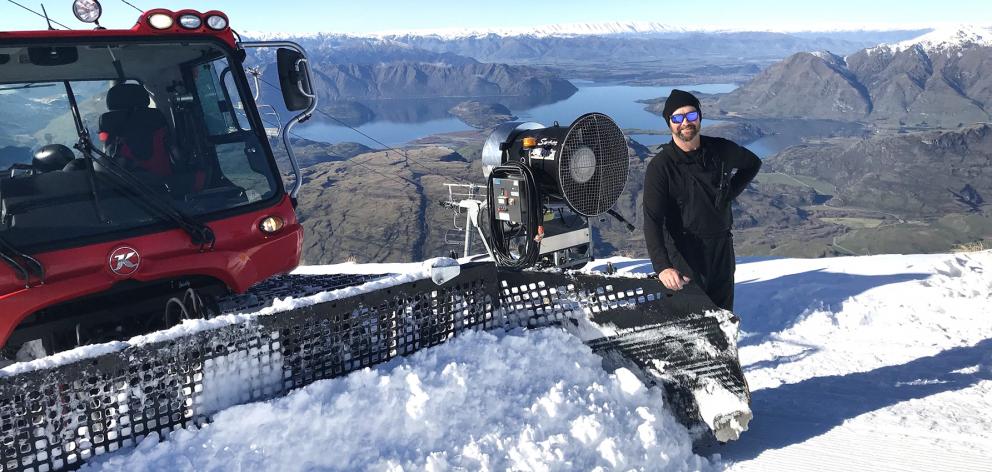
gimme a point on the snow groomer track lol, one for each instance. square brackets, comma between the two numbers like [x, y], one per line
[56, 413]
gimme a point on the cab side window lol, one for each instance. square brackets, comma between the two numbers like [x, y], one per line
[239, 154]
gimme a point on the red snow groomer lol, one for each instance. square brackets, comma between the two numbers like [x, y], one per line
[137, 177]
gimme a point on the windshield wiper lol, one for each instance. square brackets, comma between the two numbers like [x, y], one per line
[199, 233]
[132, 185]
[22, 263]
[25, 86]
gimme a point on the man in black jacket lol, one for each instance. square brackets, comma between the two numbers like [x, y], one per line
[687, 193]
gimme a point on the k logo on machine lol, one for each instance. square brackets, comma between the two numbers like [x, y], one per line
[124, 260]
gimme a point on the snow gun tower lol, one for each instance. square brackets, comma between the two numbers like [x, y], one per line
[139, 190]
[544, 183]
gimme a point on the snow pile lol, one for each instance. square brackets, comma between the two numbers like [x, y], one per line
[535, 400]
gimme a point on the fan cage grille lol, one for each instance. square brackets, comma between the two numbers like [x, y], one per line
[599, 193]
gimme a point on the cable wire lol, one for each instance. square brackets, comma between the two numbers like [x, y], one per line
[391, 177]
[132, 6]
[394, 178]
[342, 123]
[501, 236]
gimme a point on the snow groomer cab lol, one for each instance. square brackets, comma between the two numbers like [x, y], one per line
[137, 181]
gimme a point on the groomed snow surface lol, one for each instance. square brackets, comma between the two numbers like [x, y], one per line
[863, 363]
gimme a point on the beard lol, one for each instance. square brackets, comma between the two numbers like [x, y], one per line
[688, 132]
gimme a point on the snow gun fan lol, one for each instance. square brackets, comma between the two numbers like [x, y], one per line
[543, 185]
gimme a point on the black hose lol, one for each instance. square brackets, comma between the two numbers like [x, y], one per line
[498, 236]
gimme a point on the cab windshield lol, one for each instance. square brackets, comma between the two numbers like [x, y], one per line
[171, 114]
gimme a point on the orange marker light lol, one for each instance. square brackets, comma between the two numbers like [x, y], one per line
[530, 142]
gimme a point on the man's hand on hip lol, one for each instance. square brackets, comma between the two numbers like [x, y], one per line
[673, 279]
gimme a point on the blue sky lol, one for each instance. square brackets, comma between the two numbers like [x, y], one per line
[358, 16]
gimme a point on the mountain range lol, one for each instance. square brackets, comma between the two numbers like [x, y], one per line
[626, 52]
[620, 28]
[354, 74]
[676, 47]
[422, 80]
[852, 188]
[356, 77]
[921, 174]
[941, 79]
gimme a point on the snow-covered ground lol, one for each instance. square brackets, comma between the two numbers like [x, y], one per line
[862, 363]
[867, 363]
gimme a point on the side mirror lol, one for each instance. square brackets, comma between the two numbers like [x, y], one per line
[52, 56]
[294, 79]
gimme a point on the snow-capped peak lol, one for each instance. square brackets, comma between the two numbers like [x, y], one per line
[259, 35]
[946, 38]
[595, 29]
[564, 29]
[827, 56]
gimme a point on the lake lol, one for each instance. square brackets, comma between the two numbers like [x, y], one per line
[400, 121]
[768, 145]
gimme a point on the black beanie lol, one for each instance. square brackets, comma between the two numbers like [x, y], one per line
[678, 99]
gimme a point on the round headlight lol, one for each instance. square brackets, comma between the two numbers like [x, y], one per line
[582, 165]
[216, 22]
[190, 21]
[87, 11]
[160, 21]
[271, 224]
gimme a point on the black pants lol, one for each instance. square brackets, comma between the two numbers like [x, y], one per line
[711, 264]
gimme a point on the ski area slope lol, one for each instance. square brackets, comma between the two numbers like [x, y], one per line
[861, 363]
[867, 363]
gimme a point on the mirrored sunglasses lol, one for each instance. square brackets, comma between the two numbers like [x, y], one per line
[680, 117]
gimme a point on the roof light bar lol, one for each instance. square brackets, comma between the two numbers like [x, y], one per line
[185, 20]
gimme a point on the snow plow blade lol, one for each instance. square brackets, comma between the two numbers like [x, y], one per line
[60, 411]
[680, 341]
